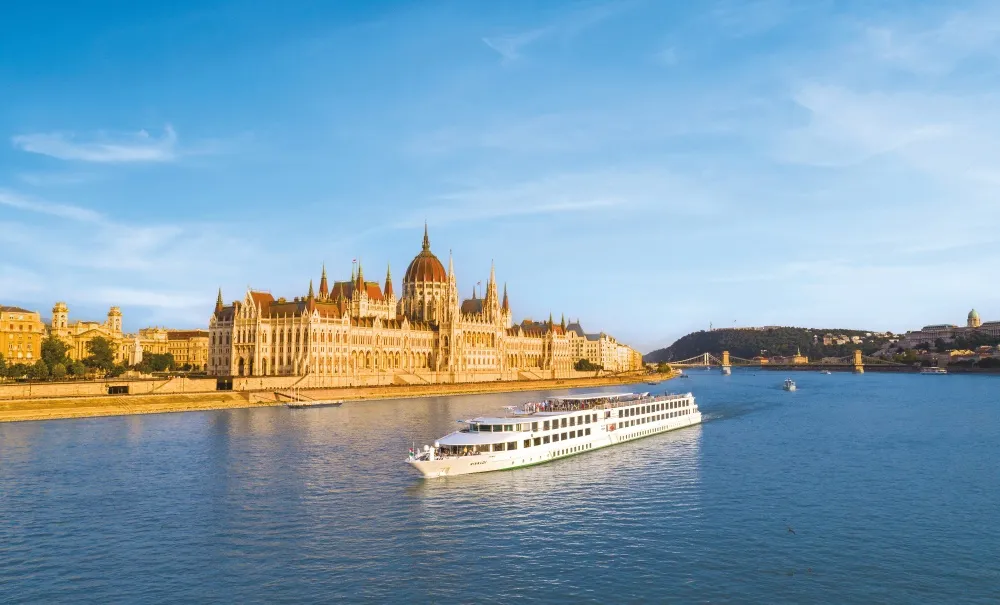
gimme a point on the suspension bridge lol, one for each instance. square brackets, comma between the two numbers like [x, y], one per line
[855, 362]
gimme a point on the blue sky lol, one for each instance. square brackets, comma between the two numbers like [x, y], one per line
[646, 166]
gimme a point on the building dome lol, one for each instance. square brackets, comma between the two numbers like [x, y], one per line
[425, 267]
[974, 321]
[973, 314]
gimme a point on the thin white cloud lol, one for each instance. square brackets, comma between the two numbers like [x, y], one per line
[64, 211]
[106, 148]
[935, 48]
[510, 46]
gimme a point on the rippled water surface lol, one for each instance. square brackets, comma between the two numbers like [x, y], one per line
[855, 489]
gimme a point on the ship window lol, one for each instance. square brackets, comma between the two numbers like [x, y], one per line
[497, 428]
[555, 438]
[527, 443]
[572, 420]
[620, 413]
[572, 434]
[546, 426]
[564, 436]
[508, 428]
[538, 440]
[534, 427]
[498, 447]
[586, 431]
[512, 445]
[545, 439]
[563, 423]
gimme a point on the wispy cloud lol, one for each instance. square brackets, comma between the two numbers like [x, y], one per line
[103, 147]
[510, 47]
[64, 211]
[936, 48]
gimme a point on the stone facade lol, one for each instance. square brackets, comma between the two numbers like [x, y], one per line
[189, 348]
[77, 334]
[21, 334]
[353, 330]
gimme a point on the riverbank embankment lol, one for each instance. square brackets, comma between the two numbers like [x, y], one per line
[110, 405]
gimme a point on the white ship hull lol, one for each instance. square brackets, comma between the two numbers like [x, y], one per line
[508, 460]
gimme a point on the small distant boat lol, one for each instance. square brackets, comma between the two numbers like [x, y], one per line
[789, 385]
[653, 382]
[933, 371]
[299, 405]
[826, 372]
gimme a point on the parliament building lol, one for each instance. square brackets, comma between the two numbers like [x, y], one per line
[360, 332]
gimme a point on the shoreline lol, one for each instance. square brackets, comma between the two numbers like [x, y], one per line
[61, 408]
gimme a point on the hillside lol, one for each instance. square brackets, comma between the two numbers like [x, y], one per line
[748, 343]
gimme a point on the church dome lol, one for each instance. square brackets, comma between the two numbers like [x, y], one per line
[973, 314]
[425, 267]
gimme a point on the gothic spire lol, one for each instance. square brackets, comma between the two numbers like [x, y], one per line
[427, 240]
[218, 302]
[505, 305]
[388, 281]
[324, 289]
[361, 278]
[311, 295]
[562, 321]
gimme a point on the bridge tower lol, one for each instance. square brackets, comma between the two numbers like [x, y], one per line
[859, 366]
[727, 368]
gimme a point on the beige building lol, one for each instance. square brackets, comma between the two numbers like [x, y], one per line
[603, 350]
[21, 334]
[189, 347]
[77, 334]
[127, 347]
[358, 329]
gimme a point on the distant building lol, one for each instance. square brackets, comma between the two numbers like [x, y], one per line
[189, 348]
[357, 330]
[78, 334]
[949, 332]
[21, 334]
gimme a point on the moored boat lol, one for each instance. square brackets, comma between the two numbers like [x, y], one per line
[789, 384]
[299, 405]
[557, 427]
[933, 370]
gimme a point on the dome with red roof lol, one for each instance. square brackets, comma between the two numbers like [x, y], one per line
[425, 267]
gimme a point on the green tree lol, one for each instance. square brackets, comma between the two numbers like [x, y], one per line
[58, 371]
[39, 371]
[3, 367]
[102, 354]
[18, 370]
[663, 367]
[116, 370]
[584, 365]
[54, 351]
[77, 369]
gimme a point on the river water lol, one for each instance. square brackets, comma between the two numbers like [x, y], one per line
[879, 488]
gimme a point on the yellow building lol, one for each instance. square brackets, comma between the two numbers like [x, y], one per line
[359, 329]
[76, 335]
[21, 334]
[189, 347]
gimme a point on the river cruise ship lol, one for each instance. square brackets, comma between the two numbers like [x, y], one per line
[555, 428]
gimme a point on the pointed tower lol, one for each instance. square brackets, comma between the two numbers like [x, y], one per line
[427, 240]
[506, 303]
[218, 301]
[562, 322]
[388, 282]
[311, 294]
[324, 288]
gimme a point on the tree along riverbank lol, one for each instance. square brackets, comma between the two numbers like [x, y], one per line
[121, 405]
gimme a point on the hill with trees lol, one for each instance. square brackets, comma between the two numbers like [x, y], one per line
[768, 342]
